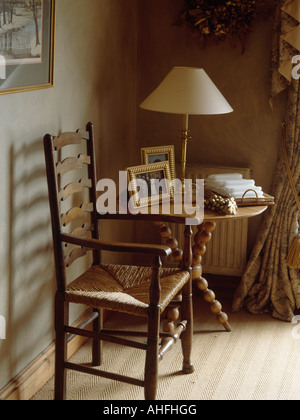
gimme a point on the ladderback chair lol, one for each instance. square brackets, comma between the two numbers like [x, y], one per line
[136, 290]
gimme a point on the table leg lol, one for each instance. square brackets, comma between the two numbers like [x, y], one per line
[201, 238]
[177, 255]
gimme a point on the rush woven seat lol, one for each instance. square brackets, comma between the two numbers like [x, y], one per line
[138, 290]
[124, 288]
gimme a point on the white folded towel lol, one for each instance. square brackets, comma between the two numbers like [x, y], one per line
[233, 185]
[223, 177]
[238, 182]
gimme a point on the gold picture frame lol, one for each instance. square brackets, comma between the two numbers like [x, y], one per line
[27, 63]
[150, 174]
[159, 154]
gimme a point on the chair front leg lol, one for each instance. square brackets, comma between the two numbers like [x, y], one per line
[151, 367]
[187, 304]
[61, 319]
[97, 344]
[187, 335]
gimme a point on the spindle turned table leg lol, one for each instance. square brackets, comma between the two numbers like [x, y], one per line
[202, 237]
[177, 255]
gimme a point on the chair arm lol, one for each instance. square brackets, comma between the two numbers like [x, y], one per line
[159, 250]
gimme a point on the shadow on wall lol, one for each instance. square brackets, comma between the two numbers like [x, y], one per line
[29, 322]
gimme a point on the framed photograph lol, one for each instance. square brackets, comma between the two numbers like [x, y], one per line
[26, 45]
[150, 184]
[159, 154]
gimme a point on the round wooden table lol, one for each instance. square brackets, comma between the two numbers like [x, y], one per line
[205, 229]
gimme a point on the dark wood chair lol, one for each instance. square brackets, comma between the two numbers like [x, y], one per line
[140, 291]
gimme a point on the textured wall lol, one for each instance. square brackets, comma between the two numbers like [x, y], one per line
[95, 62]
[101, 74]
[249, 137]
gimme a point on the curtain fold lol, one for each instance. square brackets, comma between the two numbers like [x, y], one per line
[268, 285]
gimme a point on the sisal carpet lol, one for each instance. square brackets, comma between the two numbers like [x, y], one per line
[258, 360]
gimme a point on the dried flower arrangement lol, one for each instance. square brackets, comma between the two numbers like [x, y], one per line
[221, 20]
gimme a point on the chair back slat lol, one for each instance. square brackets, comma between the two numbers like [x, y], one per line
[71, 164]
[74, 255]
[82, 230]
[76, 213]
[66, 139]
[74, 187]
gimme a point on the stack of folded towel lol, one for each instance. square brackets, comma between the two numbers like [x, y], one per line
[232, 185]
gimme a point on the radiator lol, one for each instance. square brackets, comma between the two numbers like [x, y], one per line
[227, 251]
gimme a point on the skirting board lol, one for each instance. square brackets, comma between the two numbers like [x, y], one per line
[37, 374]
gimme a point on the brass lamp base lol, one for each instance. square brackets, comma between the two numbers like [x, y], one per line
[185, 136]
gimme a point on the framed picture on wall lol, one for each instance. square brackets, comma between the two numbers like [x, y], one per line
[149, 184]
[159, 154]
[26, 45]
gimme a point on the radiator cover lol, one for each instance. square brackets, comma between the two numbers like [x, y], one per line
[227, 251]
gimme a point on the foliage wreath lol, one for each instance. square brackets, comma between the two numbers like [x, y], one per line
[221, 20]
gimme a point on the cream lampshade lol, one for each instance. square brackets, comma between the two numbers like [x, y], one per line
[187, 91]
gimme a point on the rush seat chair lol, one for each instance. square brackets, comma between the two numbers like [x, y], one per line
[136, 290]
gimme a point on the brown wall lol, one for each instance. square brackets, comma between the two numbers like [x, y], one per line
[95, 80]
[110, 54]
[249, 137]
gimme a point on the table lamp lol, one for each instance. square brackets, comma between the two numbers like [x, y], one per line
[187, 91]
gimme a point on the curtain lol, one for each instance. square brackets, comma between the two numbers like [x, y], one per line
[268, 285]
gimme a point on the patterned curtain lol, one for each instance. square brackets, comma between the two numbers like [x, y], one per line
[268, 284]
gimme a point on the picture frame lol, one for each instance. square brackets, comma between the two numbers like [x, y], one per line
[151, 174]
[27, 46]
[159, 154]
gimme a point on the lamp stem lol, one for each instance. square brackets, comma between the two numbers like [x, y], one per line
[185, 137]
